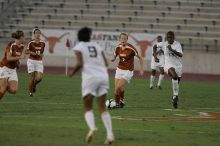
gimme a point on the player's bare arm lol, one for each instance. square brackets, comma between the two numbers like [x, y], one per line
[174, 51]
[14, 58]
[105, 60]
[113, 58]
[155, 53]
[79, 63]
[141, 64]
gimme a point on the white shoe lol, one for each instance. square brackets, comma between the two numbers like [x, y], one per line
[109, 139]
[90, 135]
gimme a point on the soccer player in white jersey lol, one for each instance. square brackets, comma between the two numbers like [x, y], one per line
[173, 63]
[157, 63]
[95, 81]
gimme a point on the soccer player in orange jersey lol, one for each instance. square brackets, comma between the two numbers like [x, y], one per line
[124, 71]
[34, 63]
[8, 74]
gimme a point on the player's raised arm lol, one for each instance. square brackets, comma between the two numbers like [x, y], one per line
[79, 63]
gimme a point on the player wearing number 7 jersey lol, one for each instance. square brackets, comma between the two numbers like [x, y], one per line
[34, 63]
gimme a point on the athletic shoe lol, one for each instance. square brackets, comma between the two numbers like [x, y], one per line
[151, 87]
[122, 103]
[31, 94]
[175, 101]
[90, 135]
[109, 139]
[159, 87]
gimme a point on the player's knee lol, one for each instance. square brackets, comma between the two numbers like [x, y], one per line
[1, 94]
[12, 90]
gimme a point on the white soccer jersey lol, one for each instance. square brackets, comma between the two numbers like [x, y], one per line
[93, 62]
[160, 56]
[172, 60]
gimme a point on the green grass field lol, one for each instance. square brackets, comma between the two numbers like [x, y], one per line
[55, 116]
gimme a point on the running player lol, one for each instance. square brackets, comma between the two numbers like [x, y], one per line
[95, 81]
[157, 63]
[173, 63]
[8, 74]
[125, 68]
[34, 63]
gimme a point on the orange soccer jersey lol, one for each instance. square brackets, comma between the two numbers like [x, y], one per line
[37, 48]
[15, 50]
[126, 55]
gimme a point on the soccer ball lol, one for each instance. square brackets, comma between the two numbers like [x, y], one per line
[110, 103]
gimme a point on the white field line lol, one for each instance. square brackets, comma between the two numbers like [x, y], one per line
[66, 103]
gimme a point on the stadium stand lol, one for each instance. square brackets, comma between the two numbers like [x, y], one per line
[196, 23]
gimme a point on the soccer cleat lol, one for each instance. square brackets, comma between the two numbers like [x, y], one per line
[109, 139]
[31, 95]
[159, 87]
[151, 87]
[90, 135]
[122, 104]
[175, 101]
[34, 89]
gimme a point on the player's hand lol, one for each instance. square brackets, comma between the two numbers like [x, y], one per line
[70, 74]
[169, 47]
[113, 59]
[156, 60]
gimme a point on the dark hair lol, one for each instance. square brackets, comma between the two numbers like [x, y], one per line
[18, 34]
[84, 34]
[171, 33]
[36, 29]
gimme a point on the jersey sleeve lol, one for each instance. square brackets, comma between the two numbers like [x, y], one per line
[77, 47]
[179, 48]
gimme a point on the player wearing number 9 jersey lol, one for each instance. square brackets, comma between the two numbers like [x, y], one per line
[34, 63]
[95, 81]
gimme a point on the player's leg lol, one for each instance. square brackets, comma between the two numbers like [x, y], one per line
[119, 90]
[89, 117]
[3, 86]
[31, 72]
[12, 86]
[152, 78]
[38, 79]
[117, 96]
[175, 86]
[38, 73]
[12, 82]
[106, 118]
[32, 83]
[160, 77]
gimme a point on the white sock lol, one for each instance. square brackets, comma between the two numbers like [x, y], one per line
[90, 120]
[106, 119]
[175, 87]
[152, 81]
[160, 79]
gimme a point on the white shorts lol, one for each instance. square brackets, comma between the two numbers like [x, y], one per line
[157, 65]
[10, 74]
[125, 74]
[35, 65]
[96, 86]
[177, 69]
